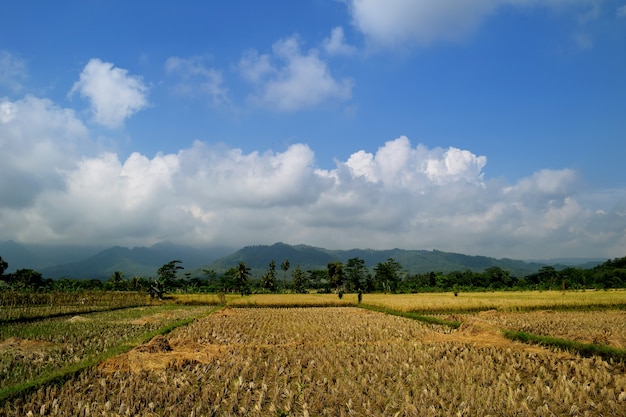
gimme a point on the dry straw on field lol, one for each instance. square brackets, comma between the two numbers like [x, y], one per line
[600, 327]
[41, 348]
[293, 300]
[335, 362]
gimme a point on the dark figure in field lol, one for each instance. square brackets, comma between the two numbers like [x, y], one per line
[155, 292]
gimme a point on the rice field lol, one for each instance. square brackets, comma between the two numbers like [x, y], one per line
[510, 301]
[599, 327]
[339, 361]
[20, 306]
[42, 348]
[443, 303]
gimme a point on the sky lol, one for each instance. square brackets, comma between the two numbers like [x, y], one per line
[486, 127]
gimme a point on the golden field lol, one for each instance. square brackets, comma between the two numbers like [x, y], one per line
[345, 361]
[600, 327]
[433, 303]
[441, 303]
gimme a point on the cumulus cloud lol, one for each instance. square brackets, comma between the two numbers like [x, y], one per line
[57, 189]
[291, 80]
[114, 95]
[397, 164]
[392, 23]
[399, 195]
[38, 141]
[197, 78]
[12, 71]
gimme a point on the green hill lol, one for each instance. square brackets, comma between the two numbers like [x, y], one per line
[413, 261]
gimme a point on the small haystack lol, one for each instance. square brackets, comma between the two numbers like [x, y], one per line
[161, 353]
[158, 344]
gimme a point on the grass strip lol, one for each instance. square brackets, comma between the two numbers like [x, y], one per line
[64, 374]
[584, 349]
[411, 315]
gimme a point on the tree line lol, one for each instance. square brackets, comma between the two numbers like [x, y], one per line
[352, 276]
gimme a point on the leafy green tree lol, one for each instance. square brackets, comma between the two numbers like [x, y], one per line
[167, 274]
[573, 277]
[388, 275]
[211, 280]
[300, 280]
[285, 267]
[26, 279]
[496, 277]
[370, 284]
[355, 273]
[3, 266]
[138, 283]
[228, 280]
[336, 274]
[318, 279]
[210, 274]
[116, 281]
[242, 273]
[268, 279]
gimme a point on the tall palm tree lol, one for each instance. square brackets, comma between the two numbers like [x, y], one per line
[285, 267]
[268, 279]
[241, 275]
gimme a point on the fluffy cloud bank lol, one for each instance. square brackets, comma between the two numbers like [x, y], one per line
[399, 195]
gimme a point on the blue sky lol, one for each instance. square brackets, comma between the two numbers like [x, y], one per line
[487, 127]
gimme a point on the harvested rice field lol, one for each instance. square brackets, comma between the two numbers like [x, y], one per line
[43, 348]
[600, 327]
[335, 361]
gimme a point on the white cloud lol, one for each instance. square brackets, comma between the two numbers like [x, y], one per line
[197, 78]
[546, 182]
[290, 80]
[12, 71]
[38, 141]
[336, 43]
[114, 95]
[398, 164]
[8, 111]
[399, 195]
[393, 23]
[621, 12]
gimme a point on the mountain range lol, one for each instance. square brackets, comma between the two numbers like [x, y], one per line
[100, 263]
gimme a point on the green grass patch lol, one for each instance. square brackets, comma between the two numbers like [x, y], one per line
[412, 315]
[584, 349]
